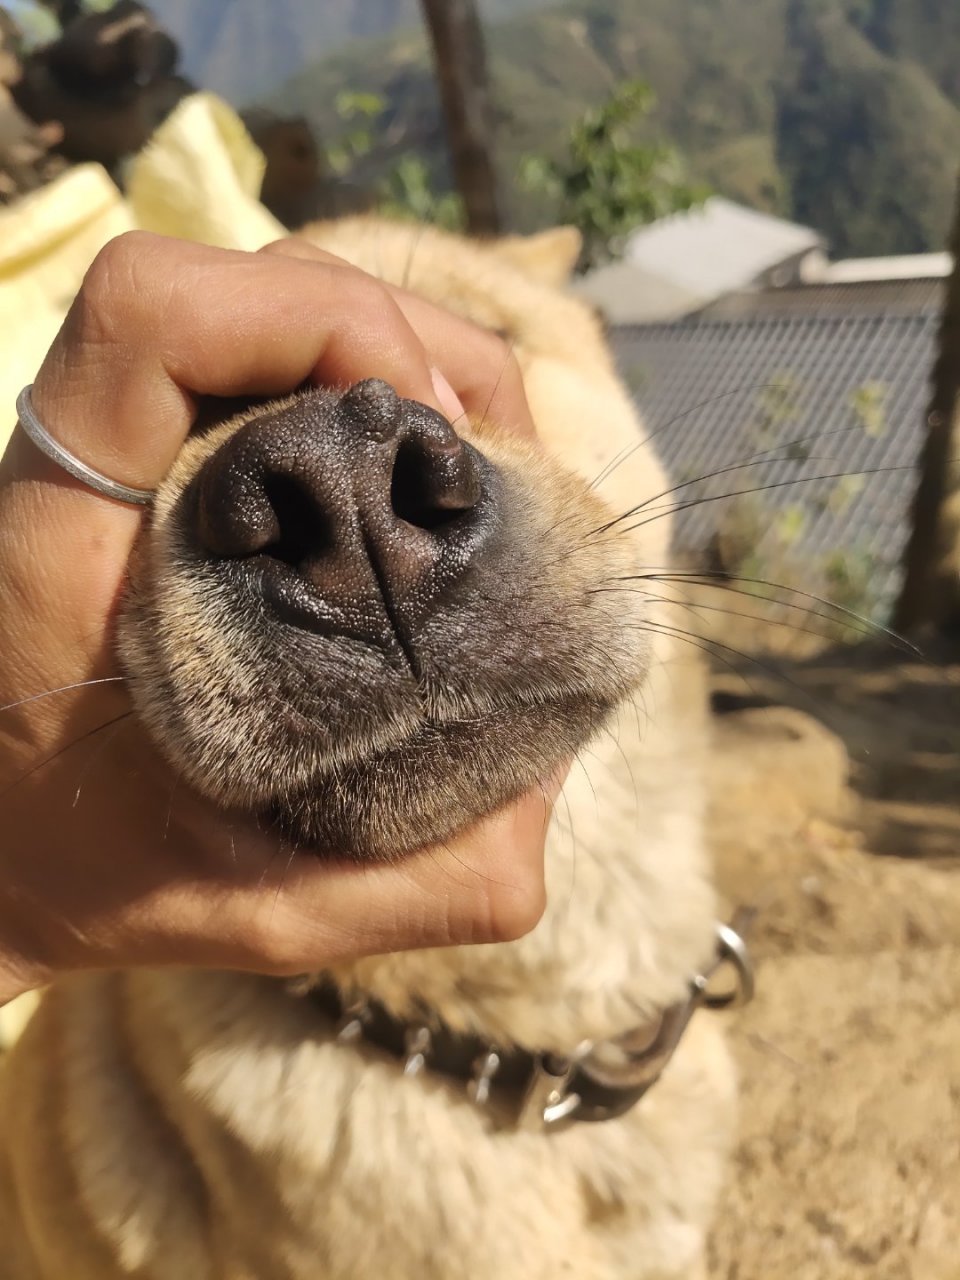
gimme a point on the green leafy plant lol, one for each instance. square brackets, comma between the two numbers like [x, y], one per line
[407, 190]
[358, 114]
[868, 404]
[838, 497]
[849, 578]
[607, 183]
[790, 525]
[778, 404]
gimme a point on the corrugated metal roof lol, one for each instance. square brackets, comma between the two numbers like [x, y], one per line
[904, 266]
[627, 294]
[785, 396]
[719, 246]
[919, 296]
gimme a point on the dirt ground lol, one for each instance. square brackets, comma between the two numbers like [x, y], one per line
[836, 812]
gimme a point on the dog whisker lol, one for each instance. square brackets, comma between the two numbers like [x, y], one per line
[408, 265]
[694, 605]
[768, 455]
[511, 345]
[710, 647]
[64, 688]
[650, 435]
[294, 850]
[659, 512]
[97, 752]
[720, 580]
[173, 793]
[75, 742]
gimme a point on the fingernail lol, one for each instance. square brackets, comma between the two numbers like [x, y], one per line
[447, 397]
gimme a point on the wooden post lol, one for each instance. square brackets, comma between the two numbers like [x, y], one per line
[461, 68]
[930, 596]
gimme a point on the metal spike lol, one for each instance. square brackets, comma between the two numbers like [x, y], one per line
[417, 1042]
[353, 1021]
[484, 1070]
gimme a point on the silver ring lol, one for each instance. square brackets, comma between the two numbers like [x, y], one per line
[63, 458]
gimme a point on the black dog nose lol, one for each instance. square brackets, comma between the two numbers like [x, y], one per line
[350, 510]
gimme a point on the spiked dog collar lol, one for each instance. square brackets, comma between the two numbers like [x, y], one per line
[599, 1080]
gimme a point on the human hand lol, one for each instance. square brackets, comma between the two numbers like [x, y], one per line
[105, 860]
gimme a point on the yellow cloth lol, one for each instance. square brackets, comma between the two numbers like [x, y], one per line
[198, 179]
[47, 241]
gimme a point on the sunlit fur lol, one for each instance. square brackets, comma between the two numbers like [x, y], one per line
[173, 1126]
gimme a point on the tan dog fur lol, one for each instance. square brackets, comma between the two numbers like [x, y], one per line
[192, 1126]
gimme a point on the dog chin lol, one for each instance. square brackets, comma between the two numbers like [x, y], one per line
[439, 782]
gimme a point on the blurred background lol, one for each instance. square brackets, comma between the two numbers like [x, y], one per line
[814, 143]
[767, 195]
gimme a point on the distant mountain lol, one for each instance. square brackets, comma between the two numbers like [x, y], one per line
[844, 114]
[868, 137]
[245, 48]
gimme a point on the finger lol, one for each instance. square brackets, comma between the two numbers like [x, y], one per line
[157, 322]
[487, 885]
[479, 366]
[299, 247]
[200, 887]
[160, 321]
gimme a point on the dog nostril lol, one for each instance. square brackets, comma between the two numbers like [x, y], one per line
[254, 510]
[434, 481]
[303, 529]
[326, 510]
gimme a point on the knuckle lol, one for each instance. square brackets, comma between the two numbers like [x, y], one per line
[365, 289]
[511, 379]
[378, 315]
[111, 296]
[497, 367]
[496, 353]
[292, 247]
[373, 293]
[118, 260]
[280, 245]
[271, 948]
[516, 910]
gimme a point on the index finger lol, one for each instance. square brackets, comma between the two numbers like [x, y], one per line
[160, 321]
[479, 365]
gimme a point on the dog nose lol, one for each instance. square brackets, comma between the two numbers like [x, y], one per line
[346, 507]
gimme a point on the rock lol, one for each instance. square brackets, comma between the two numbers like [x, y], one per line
[780, 764]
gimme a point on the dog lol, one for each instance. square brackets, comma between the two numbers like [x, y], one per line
[369, 627]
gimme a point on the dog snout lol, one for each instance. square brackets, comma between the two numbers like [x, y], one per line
[347, 508]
